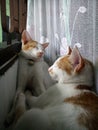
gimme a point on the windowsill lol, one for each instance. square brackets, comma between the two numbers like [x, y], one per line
[4, 44]
[8, 55]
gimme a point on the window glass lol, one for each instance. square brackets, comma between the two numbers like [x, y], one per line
[7, 14]
[0, 29]
[7, 8]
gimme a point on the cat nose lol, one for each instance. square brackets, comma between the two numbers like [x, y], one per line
[41, 53]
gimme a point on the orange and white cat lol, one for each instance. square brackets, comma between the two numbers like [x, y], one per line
[33, 70]
[67, 105]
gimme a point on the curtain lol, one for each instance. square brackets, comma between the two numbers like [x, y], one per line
[46, 22]
[63, 23]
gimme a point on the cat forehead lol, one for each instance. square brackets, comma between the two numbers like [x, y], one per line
[29, 45]
[33, 43]
[64, 64]
[62, 60]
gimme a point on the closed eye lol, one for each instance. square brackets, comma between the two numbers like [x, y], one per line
[32, 46]
[36, 48]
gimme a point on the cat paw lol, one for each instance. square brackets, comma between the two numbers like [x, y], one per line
[29, 96]
[21, 95]
[28, 93]
[18, 94]
[20, 99]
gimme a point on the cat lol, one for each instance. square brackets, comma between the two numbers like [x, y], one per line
[33, 70]
[67, 105]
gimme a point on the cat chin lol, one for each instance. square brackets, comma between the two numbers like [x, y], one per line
[39, 57]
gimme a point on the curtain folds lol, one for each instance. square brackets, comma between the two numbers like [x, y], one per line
[47, 20]
[65, 22]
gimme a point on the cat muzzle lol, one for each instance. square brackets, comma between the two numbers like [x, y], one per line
[40, 54]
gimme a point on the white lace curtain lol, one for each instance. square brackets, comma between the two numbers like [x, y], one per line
[65, 22]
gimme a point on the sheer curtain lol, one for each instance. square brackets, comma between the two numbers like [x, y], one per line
[62, 23]
[47, 21]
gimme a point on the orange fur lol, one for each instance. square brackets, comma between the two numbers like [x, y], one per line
[88, 101]
[29, 45]
[65, 64]
[76, 70]
[83, 87]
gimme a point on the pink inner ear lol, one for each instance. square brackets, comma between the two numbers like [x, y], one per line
[45, 45]
[69, 50]
[25, 37]
[75, 57]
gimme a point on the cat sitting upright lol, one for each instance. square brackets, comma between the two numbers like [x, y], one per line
[33, 70]
[67, 105]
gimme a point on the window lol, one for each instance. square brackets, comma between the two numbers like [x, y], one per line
[12, 23]
[0, 30]
[12, 20]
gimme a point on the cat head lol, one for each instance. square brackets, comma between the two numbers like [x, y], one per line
[72, 68]
[30, 48]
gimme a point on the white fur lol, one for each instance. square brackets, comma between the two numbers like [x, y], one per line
[85, 76]
[32, 53]
[49, 111]
[53, 110]
[34, 75]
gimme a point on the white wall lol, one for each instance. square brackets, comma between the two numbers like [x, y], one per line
[7, 90]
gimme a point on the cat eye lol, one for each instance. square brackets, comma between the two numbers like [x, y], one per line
[31, 45]
[37, 47]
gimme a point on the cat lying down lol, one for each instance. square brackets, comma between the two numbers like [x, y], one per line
[68, 104]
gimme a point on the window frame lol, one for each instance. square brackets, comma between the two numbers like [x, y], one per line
[8, 56]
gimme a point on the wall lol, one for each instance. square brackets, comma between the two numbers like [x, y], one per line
[7, 91]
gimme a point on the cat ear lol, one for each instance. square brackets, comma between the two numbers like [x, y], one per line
[76, 59]
[25, 37]
[69, 50]
[45, 45]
